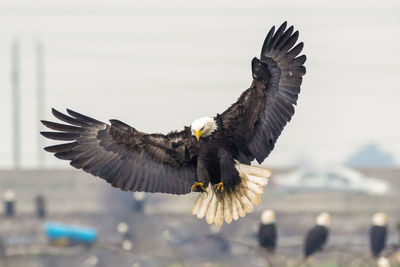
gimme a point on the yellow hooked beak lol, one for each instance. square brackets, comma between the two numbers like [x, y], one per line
[198, 134]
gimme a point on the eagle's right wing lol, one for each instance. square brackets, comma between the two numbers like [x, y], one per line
[124, 157]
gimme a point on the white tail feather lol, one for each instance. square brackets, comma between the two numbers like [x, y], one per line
[205, 202]
[235, 208]
[212, 209]
[228, 209]
[257, 180]
[219, 215]
[230, 206]
[246, 204]
[239, 203]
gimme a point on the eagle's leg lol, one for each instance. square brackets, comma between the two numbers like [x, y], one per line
[229, 175]
[202, 176]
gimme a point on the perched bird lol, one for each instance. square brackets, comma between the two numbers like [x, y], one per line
[40, 202]
[267, 234]
[378, 233]
[139, 201]
[212, 156]
[318, 235]
[9, 203]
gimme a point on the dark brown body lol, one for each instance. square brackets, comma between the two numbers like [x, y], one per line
[215, 162]
[315, 240]
[267, 236]
[377, 236]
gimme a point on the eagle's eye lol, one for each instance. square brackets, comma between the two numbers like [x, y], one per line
[202, 128]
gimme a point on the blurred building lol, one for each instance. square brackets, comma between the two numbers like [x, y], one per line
[371, 155]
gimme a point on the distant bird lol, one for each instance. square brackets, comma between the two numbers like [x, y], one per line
[267, 234]
[123, 230]
[317, 236]
[212, 156]
[9, 203]
[378, 233]
[139, 199]
[40, 202]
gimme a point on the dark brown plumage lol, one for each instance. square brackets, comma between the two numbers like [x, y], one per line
[315, 240]
[377, 237]
[267, 236]
[136, 161]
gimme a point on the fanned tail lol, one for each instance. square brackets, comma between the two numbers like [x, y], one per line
[230, 206]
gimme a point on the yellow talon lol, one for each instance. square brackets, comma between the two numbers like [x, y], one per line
[198, 187]
[219, 187]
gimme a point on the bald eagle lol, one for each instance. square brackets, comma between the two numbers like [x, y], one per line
[267, 233]
[317, 236]
[212, 156]
[378, 233]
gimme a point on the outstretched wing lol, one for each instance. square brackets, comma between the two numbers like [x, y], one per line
[124, 157]
[257, 119]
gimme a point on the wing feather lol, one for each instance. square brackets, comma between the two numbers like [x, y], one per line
[277, 36]
[290, 42]
[68, 119]
[268, 40]
[124, 157]
[285, 37]
[62, 147]
[295, 51]
[60, 136]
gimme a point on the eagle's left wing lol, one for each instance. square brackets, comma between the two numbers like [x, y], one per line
[256, 120]
[123, 156]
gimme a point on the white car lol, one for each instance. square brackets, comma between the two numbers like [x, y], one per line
[340, 179]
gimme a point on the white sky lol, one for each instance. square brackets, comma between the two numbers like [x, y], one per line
[157, 65]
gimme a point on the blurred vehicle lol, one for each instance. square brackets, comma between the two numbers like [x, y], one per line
[334, 179]
[65, 235]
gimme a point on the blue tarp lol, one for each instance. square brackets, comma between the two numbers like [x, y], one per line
[73, 233]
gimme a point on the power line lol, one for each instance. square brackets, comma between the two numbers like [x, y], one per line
[15, 84]
[40, 100]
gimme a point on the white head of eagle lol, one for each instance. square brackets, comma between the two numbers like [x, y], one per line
[268, 217]
[203, 127]
[380, 219]
[323, 219]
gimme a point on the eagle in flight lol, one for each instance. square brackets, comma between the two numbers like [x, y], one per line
[212, 156]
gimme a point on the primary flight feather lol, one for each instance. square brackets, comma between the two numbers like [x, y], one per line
[212, 156]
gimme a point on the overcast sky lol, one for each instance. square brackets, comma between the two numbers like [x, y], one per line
[158, 65]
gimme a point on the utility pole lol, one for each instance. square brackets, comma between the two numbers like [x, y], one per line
[15, 84]
[40, 101]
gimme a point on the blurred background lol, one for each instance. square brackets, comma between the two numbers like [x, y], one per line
[158, 65]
